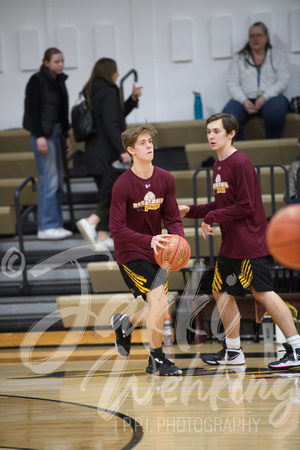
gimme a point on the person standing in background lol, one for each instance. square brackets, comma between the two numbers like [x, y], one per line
[105, 148]
[258, 75]
[46, 116]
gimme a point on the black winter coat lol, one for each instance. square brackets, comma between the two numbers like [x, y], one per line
[106, 146]
[46, 102]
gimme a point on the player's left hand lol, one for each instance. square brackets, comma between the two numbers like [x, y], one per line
[206, 229]
[158, 241]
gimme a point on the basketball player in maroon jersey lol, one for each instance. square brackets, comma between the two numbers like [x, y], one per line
[142, 198]
[242, 263]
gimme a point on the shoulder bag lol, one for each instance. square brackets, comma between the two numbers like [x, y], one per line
[83, 122]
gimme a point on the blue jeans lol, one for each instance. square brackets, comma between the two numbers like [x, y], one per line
[50, 170]
[273, 112]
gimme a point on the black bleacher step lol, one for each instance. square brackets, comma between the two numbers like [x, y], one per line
[22, 324]
[38, 251]
[171, 158]
[38, 288]
[33, 257]
[81, 198]
[19, 313]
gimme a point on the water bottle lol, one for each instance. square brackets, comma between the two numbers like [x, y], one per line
[168, 336]
[268, 329]
[198, 113]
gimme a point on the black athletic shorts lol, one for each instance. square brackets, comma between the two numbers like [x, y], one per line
[141, 277]
[235, 276]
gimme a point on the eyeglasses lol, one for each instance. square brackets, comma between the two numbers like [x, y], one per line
[253, 36]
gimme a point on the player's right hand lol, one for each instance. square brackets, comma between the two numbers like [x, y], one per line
[158, 241]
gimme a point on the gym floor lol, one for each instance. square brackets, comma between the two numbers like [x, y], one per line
[87, 397]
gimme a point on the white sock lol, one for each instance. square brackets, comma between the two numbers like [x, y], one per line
[233, 343]
[294, 341]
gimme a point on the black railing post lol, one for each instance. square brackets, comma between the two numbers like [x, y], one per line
[25, 287]
[131, 72]
[210, 238]
[272, 167]
[68, 184]
[196, 222]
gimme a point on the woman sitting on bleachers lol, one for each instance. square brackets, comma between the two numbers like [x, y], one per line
[258, 75]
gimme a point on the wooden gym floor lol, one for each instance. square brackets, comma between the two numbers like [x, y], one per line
[67, 398]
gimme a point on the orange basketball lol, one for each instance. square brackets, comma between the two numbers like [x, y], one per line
[283, 236]
[175, 255]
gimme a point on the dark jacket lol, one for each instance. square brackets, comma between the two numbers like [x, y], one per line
[46, 103]
[106, 146]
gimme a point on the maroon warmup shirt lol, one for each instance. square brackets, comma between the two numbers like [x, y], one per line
[137, 211]
[238, 208]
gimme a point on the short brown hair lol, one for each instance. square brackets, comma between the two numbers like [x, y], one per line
[228, 120]
[131, 134]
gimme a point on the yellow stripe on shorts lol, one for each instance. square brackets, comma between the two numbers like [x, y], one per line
[246, 275]
[137, 279]
[166, 287]
[217, 281]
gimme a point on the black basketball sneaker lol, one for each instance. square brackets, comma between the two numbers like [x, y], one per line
[121, 325]
[225, 356]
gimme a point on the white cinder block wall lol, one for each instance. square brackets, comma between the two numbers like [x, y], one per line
[176, 46]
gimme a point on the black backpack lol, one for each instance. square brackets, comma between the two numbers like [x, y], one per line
[83, 122]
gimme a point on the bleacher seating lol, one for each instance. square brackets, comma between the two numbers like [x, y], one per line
[273, 151]
[17, 162]
[171, 134]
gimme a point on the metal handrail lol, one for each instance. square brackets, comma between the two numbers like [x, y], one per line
[196, 221]
[272, 181]
[74, 153]
[131, 72]
[68, 185]
[19, 216]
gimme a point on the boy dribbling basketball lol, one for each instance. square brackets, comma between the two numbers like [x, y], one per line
[142, 197]
[242, 263]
